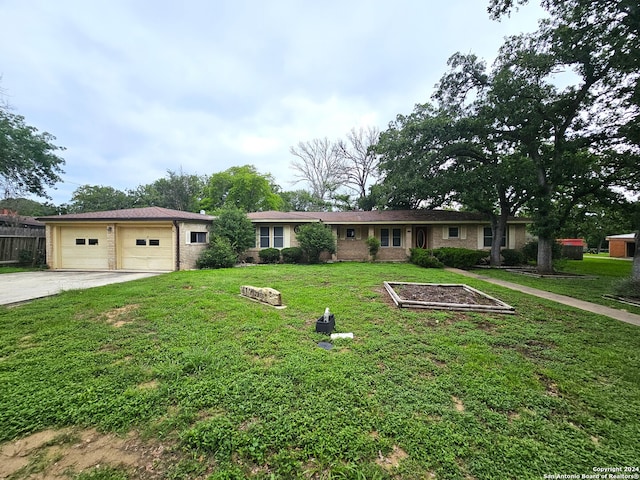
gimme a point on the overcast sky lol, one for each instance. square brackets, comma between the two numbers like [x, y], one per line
[133, 88]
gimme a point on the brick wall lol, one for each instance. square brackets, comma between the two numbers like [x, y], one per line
[189, 252]
[352, 249]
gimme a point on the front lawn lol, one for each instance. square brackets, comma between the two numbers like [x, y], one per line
[213, 385]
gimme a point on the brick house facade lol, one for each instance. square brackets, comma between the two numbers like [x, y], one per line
[398, 231]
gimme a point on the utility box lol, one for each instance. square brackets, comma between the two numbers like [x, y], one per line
[327, 326]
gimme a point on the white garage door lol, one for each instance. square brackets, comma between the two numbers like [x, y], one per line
[145, 248]
[83, 248]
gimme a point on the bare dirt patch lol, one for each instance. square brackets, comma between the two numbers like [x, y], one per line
[441, 294]
[120, 316]
[458, 404]
[53, 454]
[393, 459]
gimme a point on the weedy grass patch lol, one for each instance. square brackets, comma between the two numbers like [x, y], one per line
[236, 389]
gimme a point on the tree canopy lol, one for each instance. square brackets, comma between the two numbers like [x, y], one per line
[243, 188]
[98, 198]
[29, 162]
[178, 191]
[513, 136]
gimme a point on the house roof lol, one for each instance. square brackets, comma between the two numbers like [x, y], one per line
[129, 214]
[20, 221]
[624, 236]
[377, 216]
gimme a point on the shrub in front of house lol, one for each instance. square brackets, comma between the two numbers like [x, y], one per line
[424, 258]
[292, 255]
[315, 238]
[512, 258]
[234, 225]
[459, 257]
[374, 246]
[269, 255]
[218, 254]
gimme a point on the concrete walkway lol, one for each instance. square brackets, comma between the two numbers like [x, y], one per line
[621, 315]
[24, 286]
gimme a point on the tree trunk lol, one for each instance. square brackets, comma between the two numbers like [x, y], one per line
[635, 269]
[495, 259]
[498, 227]
[545, 256]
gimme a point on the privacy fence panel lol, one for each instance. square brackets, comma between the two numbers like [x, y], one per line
[21, 245]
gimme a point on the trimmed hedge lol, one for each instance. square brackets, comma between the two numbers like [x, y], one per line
[424, 258]
[446, 256]
[512, 258]
[269, 255]
[292, 255]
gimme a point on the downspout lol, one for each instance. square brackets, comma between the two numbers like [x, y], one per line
[175, 224]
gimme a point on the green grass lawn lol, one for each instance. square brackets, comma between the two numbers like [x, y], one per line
[237, 389]
[600, 276]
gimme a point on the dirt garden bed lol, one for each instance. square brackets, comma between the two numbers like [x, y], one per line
[444, 297]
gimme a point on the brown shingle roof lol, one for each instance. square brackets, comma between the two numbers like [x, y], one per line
[146, 213]
[377, 216]
[21, 221]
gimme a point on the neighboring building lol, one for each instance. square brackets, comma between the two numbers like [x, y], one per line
[139, 239]
[622, 246]
[11, 220]
[573, 248]
[398, 231]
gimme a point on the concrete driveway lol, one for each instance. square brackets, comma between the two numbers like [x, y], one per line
[25, 286]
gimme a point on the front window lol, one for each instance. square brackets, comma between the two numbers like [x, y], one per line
[278, 237]
[397, 237]
[454, 232]
[264, 237]
[488, 238]
[351, 233]
[384, 237]
[198, 237]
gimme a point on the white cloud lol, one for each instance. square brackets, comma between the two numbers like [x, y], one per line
[134, 89]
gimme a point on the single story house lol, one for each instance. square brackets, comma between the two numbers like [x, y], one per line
[622, 246]
[398, 231]
[137, 239]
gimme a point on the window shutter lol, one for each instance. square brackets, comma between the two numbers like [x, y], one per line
[463, 233]
[358, 233]
[445, 232]
[480, 237]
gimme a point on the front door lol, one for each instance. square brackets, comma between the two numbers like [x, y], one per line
[422, 237]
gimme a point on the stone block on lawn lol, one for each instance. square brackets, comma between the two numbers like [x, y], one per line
[266, 295]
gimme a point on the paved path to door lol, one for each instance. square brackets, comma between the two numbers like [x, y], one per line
[621, 315]
[24, 286]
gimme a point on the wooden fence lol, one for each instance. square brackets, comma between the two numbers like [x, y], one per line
[22, 245]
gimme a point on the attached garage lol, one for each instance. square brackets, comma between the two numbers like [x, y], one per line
[83, 247]
[145, 248]
[139, 239]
